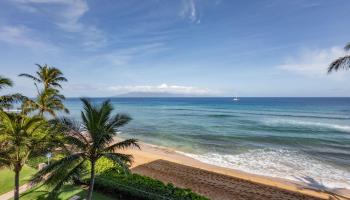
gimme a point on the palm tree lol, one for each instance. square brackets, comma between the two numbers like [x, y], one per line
[20, 137]
[48, 76]
[341, 63]
[48, 101]
[87, 142]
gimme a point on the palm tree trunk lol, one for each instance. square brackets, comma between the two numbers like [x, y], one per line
[16, 191]
[92, 181]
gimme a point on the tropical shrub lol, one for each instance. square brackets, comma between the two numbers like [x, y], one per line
[134, 186]
[104, 164]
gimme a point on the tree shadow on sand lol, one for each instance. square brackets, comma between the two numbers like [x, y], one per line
[312, 184]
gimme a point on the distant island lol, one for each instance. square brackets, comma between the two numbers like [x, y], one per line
[156, 94]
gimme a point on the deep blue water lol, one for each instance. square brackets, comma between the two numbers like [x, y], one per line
[293, 138]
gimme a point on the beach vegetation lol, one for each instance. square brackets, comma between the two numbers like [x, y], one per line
[21, 137]
[134, 186]
[86, 143]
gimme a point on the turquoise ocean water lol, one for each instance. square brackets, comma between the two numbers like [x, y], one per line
[300, 139]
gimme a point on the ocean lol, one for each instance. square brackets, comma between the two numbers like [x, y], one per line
[300, 139]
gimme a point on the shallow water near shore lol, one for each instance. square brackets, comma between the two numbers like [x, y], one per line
[300, 139]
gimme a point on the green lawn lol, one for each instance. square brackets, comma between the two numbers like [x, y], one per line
[67, 192]
[7, 180]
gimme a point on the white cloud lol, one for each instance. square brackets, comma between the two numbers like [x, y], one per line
[23, 36]
[189, 11]
[312, 62]
[67, 14]
[162, 88]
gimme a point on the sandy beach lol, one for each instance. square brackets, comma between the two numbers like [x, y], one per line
[216, 182]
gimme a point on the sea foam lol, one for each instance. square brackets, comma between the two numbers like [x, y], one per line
[285, 164]
[305, 124]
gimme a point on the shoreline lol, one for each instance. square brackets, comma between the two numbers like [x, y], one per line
[152, 153]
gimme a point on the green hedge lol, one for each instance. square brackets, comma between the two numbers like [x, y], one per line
[134, 186]
[112, 180]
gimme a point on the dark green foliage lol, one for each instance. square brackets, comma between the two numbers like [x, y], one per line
[112, 180]
[34, 162]
[134, 186]
[104, 164]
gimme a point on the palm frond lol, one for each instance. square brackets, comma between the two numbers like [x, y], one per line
[88, 113]
[123, 145]
[123, 160]
[118, 121]
[5, 82]
[62, 178]
[6, 101]
[31, 77]
[104, 112]
[64, 162]
[67, 124]
[82, 145]
[62, 174]
[340, 63]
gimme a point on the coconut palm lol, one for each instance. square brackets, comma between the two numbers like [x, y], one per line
[341, 63]
[87, 142]
[48, 76]
[20, 137]
[48, 101]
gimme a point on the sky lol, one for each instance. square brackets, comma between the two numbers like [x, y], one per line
[105, 48]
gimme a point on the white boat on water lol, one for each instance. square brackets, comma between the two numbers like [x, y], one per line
[235, 99]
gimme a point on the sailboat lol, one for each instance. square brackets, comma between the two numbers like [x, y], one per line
[235, 98]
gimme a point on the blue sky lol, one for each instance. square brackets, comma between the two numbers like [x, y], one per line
[193, 47]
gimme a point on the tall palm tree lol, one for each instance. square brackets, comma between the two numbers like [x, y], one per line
[48, 101]
[341, 63]
[20, 137]
[87, 142]
[48, 76]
